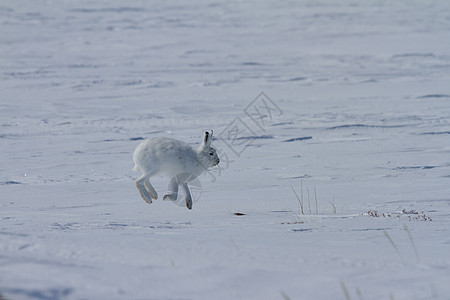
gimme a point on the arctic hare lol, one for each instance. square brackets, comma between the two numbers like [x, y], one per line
[179, 160]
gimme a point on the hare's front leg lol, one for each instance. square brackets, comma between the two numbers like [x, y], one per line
[146, 189]
[188, 195]
[172, 189]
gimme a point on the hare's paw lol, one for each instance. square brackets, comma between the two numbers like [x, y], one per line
[151, 191]
[188, 197]
[172, 189]
[171, 197]
[188, 202]
[144, 194]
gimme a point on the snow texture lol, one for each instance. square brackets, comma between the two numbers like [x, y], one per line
[353, 121]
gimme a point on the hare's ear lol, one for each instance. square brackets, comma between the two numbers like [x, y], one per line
[207, 140]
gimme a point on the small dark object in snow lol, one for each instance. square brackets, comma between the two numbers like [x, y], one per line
[239, 214]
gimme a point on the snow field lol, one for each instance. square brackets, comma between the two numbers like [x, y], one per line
[364, 98]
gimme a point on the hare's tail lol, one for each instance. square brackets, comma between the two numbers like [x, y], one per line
[136, 168]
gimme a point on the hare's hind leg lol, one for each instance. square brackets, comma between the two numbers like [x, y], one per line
[150, 189]
[146, 189]
[188, 195]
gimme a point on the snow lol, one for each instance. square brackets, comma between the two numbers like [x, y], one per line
[358, 122]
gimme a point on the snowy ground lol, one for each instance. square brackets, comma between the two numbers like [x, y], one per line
[360, 121]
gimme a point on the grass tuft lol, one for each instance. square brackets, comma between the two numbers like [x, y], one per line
[412, 241]
[334, 206]
[393, 244]
[300, 201]
[411, 215]
[285, 296]
[345, 291]
[309, 202]
[315, 198]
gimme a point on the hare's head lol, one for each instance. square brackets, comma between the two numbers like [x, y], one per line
[207, 154]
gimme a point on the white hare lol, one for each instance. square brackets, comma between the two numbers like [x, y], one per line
[179, 160]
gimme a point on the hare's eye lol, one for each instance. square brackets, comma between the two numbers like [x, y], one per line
[210, 153]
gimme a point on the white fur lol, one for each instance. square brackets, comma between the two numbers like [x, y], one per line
[179, 160]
